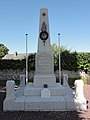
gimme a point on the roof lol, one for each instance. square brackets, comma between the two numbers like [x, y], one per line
[15, 56]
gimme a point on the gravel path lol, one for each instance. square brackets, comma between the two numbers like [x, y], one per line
[69, 115]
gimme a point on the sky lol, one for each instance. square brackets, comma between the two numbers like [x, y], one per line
[70, 18]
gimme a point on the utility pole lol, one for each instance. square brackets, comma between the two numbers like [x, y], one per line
[26, 59]
[59, 58]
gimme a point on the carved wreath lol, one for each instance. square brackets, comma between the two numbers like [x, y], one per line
[44, 33]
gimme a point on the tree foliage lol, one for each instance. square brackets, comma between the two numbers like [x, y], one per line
[84, 61]
[18, 64]
[55, 50]
[70, 60]
[3, 50]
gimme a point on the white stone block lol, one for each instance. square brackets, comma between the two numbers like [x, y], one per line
[10, 89]
[79, 89]
[80, 104]
[9, 105]
[80, 101]
[45, 93]
[22, 80]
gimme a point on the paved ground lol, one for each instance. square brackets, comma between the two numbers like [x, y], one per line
[86, 115]
[69, 115]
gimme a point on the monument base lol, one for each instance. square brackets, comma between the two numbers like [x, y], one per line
[41, 80]
[57, 90]
[30, 98]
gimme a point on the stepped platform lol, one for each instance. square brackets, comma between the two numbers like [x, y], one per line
[57, 90]
[30, 98]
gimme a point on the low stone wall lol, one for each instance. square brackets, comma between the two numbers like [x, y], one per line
[71, 74]
[14, 74]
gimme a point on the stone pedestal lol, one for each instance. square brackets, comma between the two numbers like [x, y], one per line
[9, 102]
[10, 89]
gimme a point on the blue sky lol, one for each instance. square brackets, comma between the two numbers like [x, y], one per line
[69, 17]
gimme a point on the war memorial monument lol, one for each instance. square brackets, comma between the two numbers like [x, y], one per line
[44, 94]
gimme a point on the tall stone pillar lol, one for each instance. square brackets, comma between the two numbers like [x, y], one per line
[44, 58]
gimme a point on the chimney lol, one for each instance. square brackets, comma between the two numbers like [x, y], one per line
[15, 54]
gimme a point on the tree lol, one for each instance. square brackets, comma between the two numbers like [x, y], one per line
[55, 50]
[3, 50]
[84, 61]
[68, 58]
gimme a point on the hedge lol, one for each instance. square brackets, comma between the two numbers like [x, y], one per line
[69, 61]
[18, 64]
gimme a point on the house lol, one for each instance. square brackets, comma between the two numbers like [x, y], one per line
[15, 56]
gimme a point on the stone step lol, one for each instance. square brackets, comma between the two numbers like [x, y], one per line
[37, 103]
[57, 90]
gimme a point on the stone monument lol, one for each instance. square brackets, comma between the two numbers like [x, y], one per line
[44, 94]
[44, 58]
